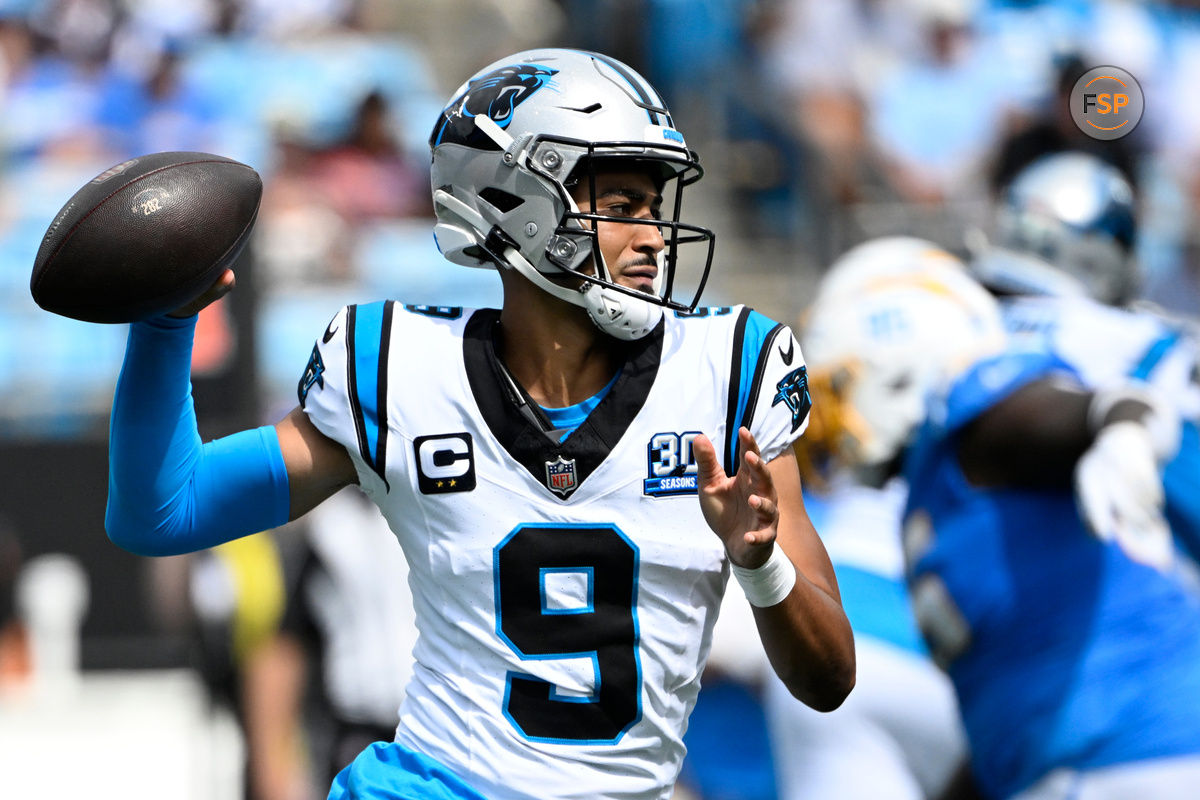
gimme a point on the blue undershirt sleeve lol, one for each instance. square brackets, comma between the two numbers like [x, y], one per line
[169, 493]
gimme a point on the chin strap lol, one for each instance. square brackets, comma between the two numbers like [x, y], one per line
[620, 315]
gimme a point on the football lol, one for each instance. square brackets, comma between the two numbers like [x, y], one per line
[145, 236]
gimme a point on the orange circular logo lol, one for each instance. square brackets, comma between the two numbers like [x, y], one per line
[1107, 103]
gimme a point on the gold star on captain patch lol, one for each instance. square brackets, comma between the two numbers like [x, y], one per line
[453, 482]
[441, 484]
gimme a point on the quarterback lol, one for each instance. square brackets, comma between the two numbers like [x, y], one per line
[572, 477]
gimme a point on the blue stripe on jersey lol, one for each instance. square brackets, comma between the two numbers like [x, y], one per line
[367, 342]
[1154, 354]
[387, 770]
[753, 332]
[568, 418]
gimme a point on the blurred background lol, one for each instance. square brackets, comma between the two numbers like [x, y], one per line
[821, 123]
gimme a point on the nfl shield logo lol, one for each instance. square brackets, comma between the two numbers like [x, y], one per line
[560, 475]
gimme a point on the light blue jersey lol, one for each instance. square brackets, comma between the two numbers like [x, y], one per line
[1062, 650]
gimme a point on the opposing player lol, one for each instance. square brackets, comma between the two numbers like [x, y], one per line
[1038, 532]
[890, 319]
[555, 471]
[1073, 662]
[1061, 258]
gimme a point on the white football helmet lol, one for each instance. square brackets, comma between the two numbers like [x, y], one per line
[512, 140]
[1065, 225]
[892, 320]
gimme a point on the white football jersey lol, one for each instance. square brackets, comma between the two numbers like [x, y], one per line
[565, 592]
[1107, 344]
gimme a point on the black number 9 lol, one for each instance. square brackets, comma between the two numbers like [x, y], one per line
[603, 627]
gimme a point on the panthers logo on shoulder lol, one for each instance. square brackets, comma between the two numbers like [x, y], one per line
[495, 95]
[313, 373]
[793, 392]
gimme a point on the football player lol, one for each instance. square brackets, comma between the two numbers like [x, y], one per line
[1037, 530]
[891, 318]
[572, 477]
[1072, 653]
[1061, 258]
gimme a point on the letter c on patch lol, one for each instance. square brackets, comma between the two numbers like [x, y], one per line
[445, 463]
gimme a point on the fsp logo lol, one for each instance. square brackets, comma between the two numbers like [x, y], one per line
[445, 463]
[1106, 103]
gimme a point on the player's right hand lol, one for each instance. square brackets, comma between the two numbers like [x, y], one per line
[220, 287]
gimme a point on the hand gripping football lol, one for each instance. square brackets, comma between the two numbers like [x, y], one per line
[145, 237]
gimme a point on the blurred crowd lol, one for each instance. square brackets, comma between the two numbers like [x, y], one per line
[329, 101]
[822, 124]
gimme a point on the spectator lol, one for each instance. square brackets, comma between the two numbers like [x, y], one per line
[367, 176]
[890, 316]
[330, 680]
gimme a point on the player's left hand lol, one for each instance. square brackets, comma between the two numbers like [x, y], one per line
[1120, 493]
[743, 510]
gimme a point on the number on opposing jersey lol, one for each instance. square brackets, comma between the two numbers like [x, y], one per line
[569, 592]
[943, 625]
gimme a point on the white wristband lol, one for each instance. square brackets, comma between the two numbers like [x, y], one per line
[769, 584]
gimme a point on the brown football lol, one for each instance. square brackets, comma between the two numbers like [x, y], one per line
[146, 236]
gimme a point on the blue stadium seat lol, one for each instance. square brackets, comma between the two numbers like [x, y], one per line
[400, 259]
[316, 85]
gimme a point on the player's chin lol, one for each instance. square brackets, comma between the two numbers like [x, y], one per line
[640, 284]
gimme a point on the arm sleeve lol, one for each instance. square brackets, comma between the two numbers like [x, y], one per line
[168, 493]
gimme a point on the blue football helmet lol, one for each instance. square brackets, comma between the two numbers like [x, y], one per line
[1066, 224]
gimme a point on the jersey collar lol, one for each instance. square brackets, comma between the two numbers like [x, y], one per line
[509, 412]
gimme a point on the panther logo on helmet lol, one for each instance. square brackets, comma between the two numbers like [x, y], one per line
[520, 138]
[494, 95]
